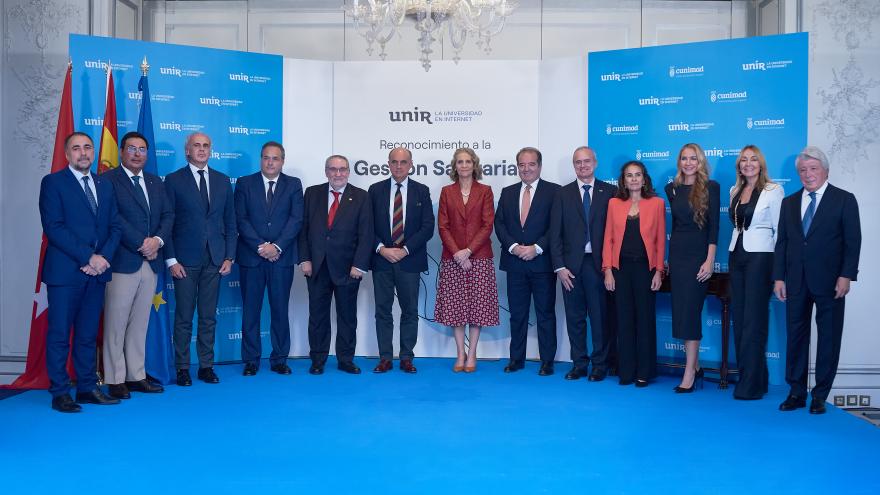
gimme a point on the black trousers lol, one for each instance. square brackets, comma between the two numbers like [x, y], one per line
[750, 289]
[254, 282]
[829, 331]
[636, 321]
[522, 288]
[587, 297]
[200, 287]
[405, 285]
[321, 291]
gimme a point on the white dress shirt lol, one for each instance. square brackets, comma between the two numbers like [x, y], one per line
[522, 190]
[589, 247]
[403, 190]
[805, 199]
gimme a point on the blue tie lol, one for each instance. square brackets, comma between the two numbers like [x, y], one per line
[811, 210]
[586, 188]
[89, 196]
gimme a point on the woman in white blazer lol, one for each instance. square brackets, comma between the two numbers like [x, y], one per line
[754, 211]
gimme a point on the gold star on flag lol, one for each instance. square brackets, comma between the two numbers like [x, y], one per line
[158, 301]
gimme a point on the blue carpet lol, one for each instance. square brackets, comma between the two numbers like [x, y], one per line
[433, 432]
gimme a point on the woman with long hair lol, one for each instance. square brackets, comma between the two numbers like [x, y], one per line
[694, 202]
[632, 259]
[755, 202]
[467, 294]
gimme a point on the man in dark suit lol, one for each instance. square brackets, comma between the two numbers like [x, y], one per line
[522, 224]
[78, 213]
[577, 230]
[200, 251]
[817, 256]
[335, 246]
[145, 216]
[403, 219]
[269, 209]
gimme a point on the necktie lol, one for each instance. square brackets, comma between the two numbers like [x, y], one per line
[203, 190]
[138, 191]
[397, 219]
[89, 196]
[811, 210]
[270, 195]
[331, 215]
[586, 188]
[524, 206]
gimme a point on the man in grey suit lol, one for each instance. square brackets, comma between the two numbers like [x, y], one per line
[145, 217]
[200, 251]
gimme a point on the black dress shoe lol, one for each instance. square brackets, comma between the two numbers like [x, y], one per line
[575, 373]
[791, 403]
[145, 386]
[349, 367]
[817, 406]
[316, 369]
[249, 370]
[596, 377]
[546, 369]
[207, 375]
[384, 366]
[641, 383]
[183, 379]
[118, 391]
[281, 369]
[95, 397]
[63, 403]
[513, 366]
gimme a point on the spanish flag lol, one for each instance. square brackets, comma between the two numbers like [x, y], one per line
[109, 154]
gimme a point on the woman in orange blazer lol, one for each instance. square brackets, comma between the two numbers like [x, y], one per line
[467, 294]
[632, 259]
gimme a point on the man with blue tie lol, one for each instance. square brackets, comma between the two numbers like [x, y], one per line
[522, 224]
[78, 214]
[817, 256]
[145, 216]
[577, 231]
[403, 220]
[200, 251]
[269, 211]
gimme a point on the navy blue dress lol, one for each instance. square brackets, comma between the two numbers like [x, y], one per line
[688, 248]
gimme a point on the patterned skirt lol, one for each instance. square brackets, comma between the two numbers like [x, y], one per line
[467, 297]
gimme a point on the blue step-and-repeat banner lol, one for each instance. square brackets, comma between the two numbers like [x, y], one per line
[233, 97]
[645, 103]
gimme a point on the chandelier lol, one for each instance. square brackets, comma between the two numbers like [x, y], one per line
[378, 21]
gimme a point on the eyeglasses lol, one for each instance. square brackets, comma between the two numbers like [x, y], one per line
[132, 149]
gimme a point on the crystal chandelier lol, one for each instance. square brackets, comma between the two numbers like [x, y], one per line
[378, 21]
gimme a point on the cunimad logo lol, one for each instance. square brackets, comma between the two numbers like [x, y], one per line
[715, 96]
[621, 129]
[685, 71]
[765, 123]
[651, 155]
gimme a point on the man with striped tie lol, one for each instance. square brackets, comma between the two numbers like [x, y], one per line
[403, 221]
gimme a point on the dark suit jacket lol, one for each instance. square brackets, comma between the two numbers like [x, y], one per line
[138, 220]
[418, 226]
[194, 229]
[73, 231]
[567, 237]
[466, 225]
[829, 250]
[535, 231]
[257, 224]
[349, 242]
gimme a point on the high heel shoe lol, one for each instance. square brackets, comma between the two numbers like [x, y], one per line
[457, 368]
[470, 369]
[687, 390]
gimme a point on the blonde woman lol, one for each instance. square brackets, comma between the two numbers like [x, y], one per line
[755, 202]
[693, 200]
[467, 294]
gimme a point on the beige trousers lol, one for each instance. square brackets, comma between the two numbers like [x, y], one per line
[127, 305]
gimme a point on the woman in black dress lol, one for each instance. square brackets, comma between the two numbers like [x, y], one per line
[693, 199]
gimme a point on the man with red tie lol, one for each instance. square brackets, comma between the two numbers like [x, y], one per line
[335, 246]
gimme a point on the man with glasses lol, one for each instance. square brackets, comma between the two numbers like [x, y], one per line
[335, 246]
[145, 216]
[200, 251]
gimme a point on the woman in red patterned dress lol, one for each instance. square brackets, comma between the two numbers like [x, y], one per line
[467, 294]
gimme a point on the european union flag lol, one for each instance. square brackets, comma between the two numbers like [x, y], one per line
[159, 359]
